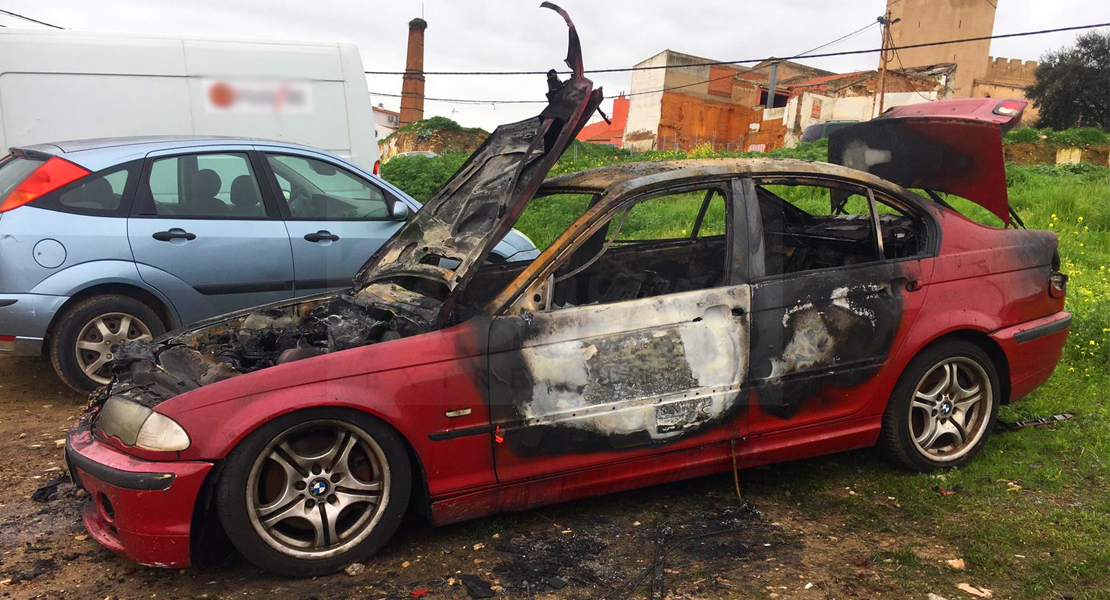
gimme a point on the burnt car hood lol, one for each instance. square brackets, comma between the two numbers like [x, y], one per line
[482, 200]
[951, 146]
[403, 289]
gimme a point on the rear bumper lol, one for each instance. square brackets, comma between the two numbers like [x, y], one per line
[1032, 350]
[140, 509]
[26, 317]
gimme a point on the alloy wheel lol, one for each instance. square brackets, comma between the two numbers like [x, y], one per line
[97, 338]
[950, 409]
[318, 489]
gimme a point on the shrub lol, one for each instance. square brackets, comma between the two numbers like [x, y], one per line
[422, 176]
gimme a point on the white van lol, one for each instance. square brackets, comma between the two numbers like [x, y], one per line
[64, 85]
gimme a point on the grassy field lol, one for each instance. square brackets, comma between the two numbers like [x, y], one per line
[1032, 519]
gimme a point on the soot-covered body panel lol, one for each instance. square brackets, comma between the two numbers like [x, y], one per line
[622, 376]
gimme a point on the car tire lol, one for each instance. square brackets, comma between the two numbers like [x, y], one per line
[943, 407]
[78, 324]
[267, 493]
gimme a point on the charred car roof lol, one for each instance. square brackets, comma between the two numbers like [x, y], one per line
[617, 180]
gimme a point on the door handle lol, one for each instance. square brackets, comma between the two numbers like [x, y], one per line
[174, 234]
[321, 236]
[910, 285]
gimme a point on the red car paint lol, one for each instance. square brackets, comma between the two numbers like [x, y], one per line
[150, 527]
[984, 284]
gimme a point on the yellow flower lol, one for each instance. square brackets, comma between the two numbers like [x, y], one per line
[1053, 216]
[1092, 342]
[1071, 369]
[1080, 219]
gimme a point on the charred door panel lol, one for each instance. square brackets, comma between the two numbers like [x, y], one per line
[817, 336]
[588, 385]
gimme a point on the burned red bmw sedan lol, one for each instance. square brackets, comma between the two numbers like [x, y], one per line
[807, 308]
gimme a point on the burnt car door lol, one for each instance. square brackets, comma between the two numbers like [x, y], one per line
[836, 282]
[636, 343]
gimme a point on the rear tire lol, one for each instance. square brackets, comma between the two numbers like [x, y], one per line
[95, 323]
[943, 407]
[314, 491]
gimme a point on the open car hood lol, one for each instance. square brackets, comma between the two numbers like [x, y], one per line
[403, 290]
[480, 203]
[951, 146]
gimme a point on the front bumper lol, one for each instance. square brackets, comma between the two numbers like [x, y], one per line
[140, 509]
[1032, 351]
[27, 317]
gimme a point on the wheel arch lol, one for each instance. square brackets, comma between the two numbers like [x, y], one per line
[988, 345]
[159, 305]
[206, 531]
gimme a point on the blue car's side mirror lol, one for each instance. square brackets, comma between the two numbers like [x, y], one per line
[400, 211]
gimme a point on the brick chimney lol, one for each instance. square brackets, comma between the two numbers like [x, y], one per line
[412, 88]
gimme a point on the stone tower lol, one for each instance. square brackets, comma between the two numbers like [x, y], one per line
[924, 21]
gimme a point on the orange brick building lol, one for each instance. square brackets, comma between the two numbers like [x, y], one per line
[686, 104]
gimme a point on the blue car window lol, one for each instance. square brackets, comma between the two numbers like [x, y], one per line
[204, 185]
[95, 194]
[318, 190]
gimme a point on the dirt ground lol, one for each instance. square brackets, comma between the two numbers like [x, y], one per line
[702, 540]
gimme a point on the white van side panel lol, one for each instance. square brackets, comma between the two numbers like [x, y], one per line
[325, 127]
[42, 107]
[208, 58]
[57, 86]
[360, 114]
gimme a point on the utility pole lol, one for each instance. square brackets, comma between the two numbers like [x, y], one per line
[885, 23]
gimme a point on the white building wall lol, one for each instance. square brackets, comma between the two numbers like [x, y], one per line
[849, 108]
[645, 110]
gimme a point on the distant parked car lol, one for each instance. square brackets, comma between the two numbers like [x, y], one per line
[112, 240]
[823, 130]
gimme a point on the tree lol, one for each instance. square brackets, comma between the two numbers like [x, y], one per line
[1072, 87]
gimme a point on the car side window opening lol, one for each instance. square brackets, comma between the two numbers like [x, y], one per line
[318, 190]
[816, 225]
[662, 245]
[204, 185]
[99, 194]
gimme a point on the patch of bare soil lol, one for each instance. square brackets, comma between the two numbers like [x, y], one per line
[433, 140]
[1031, 153]
[690, 539]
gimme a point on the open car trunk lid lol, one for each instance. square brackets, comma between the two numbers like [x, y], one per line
[480, 203]
[951, 146]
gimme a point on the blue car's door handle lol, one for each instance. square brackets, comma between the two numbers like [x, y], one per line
[321, 236]
[174, 234]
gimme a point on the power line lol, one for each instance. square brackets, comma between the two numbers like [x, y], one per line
[19, 16]
[732, 74]
[750, 60]
[894, 50]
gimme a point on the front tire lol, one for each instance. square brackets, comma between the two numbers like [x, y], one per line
[943, 407]
[81, 351]
[313, 491]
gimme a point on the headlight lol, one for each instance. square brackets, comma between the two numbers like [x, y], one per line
[160, 432]
[137, 425]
